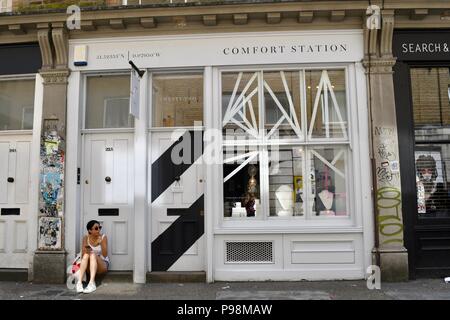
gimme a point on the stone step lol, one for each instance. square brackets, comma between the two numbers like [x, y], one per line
[18, 275]
[118, 276]
[177, 276]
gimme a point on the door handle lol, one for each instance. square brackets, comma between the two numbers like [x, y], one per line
[108, 179]
[10, 180]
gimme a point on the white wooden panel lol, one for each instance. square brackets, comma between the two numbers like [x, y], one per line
[322, 252]
[193, 250]
[97, 173]
[162, 226]
[20, 236]
[120, 168]
[2, 236]
[119, 237]
[22, 171]
[162, 142]
[4, 164]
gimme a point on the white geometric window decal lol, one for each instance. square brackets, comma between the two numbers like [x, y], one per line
[325, 86]
[331, 164]
[249, 155]
[292, 118]
[236, 108]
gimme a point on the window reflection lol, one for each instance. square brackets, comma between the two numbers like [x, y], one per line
[108, 102]
[16, 104]
[177, 100]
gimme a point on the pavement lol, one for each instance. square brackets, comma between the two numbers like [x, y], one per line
[422, 289]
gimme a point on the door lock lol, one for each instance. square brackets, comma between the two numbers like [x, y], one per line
[10, 180]
[86, 181]
[108, 179]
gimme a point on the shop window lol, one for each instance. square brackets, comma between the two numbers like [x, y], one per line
[240, 105]
[16, 104]
[242, 197]
[297, 178]
[177, 100]
[326, 104]
[287, 196]
[107, 102]
[431, 107]
[282, 104]
[327, 187]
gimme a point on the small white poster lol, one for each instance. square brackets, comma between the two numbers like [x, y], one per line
[134, 93]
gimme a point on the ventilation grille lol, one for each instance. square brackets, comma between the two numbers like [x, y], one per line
[249, 252]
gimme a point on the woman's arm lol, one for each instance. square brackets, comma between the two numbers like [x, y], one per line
[105, 246]
[83, 246]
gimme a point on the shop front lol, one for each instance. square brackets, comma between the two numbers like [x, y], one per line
[422, 93]
[247, 160]
[20, 104]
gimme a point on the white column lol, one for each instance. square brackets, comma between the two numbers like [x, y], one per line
[140, 187]
[364, 180]
[212, 114]
[35, 170]
[73, 150]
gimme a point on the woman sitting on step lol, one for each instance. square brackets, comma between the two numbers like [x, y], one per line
[94, 252]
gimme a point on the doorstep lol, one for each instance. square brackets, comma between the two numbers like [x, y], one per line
[18, 275]
[117, 276]
[176, 276]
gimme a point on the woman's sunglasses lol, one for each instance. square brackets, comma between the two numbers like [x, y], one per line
[98, 227]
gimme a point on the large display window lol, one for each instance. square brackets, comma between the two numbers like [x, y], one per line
[286, 144]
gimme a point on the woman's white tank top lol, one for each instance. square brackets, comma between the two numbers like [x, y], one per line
[98, 249]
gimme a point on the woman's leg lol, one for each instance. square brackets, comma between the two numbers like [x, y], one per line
[92, 267]
[83, 266]
[101, 266]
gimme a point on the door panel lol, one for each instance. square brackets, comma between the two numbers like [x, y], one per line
[22, 171]
[177, 209]
[431, 113]
[14, 194]
[4, 165]
[97, 163]
[109, 192]
[120, 169]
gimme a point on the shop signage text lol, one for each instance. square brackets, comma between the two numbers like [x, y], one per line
[221, 50]
[280, 49]
[421, 46]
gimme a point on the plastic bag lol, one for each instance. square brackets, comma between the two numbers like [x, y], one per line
[73, 272]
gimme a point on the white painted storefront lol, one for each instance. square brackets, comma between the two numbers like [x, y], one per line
[289, 238]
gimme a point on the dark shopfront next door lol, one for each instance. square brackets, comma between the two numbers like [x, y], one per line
[422, 91]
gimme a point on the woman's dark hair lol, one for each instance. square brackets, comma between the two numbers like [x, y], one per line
[91, 223]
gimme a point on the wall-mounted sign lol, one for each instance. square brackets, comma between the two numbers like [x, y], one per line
[223, 49]
[421, 46]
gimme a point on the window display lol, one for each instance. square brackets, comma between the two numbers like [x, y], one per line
[295, 179]
[241, 183]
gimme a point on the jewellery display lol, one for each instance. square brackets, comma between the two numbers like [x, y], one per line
[327, 199]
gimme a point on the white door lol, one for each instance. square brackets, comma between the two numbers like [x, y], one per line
[108, 192]
[177, 204]
[14, 200]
